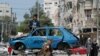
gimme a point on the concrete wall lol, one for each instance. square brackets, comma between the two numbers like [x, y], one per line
[5, 10]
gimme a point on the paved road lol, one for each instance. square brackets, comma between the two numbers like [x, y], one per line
[55, 53]
[65, 55]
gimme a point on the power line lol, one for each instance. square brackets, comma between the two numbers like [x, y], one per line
[18, 8]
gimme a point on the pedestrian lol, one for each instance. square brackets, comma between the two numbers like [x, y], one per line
[94, 50]
[34, 23]
[88, 46]
[10, 51]
[46, 49]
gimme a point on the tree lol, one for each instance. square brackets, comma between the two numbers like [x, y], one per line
[44, 21]
[26, 16]
[35, 8]
[23, 27]
[4, 23]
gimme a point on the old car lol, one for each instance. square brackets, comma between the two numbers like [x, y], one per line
[61, 38]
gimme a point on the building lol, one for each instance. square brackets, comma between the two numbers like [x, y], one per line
[66, 15]
[51, 9]
[80, 15]
[7, 20]
[5, 10]
[87, 15]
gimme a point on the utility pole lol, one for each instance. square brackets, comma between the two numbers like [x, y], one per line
[38, 9]
[2, 31]
[59, 13]
[97, 21]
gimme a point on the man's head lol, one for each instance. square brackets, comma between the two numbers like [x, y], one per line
[34, 16]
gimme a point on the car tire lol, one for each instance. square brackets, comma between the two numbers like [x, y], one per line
[13, 53]
[63, 46]
[20, 46]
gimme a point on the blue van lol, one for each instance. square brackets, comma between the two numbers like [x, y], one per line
[61, 38]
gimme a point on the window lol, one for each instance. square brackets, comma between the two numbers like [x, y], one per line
[50, 3]
[46, 3]
[45, 8]
[7, 11]
[94, 29]
[88, 14]
[69, 5]
[55, 32]
[0, 10]
[69, 19]
[55, 3]
[39, 32]
[85, 30]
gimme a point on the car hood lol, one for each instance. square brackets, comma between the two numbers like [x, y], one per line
[16, 38]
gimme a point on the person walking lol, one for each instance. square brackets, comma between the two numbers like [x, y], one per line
[34, 23]
[88, 46]
[94, 50]
[10, 51]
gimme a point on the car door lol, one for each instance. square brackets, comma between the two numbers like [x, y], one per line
[38, 38]
[56, 35]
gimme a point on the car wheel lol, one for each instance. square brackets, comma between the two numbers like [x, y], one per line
[19, 46]
[63, 46]
[14, 53]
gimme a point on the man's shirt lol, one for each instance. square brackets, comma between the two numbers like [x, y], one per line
[34, 24]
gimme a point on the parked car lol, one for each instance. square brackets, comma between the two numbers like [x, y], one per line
[62, 39]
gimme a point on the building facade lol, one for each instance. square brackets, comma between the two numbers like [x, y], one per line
[5, 10]
[51, 10]
[66, 14]
[78, 13]
[7, 20]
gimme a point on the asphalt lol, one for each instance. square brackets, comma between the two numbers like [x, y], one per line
[55, 53]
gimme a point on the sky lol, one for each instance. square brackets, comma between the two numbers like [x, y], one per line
[20, 7]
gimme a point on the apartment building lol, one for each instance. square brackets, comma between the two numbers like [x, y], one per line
[51, 9]
[5, 9]
[78, 13]
[66, 12]
[7, 19]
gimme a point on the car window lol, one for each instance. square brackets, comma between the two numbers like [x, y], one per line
[55, 32]
[39, 32]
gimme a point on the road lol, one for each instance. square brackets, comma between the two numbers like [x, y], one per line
[64, 55]
[55, 53]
